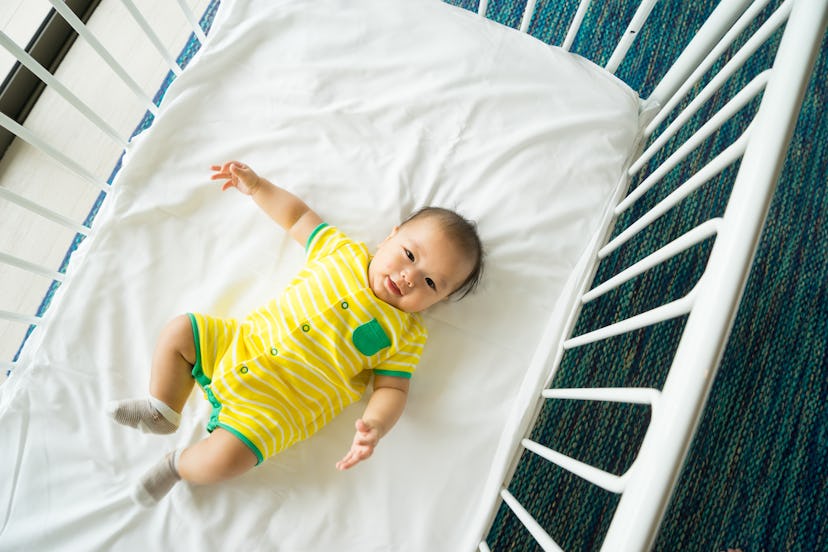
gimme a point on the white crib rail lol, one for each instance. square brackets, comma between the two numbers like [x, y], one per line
[720, 289]
[43, 144]
[646, 486]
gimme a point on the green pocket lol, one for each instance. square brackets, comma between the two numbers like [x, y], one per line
[370, 338]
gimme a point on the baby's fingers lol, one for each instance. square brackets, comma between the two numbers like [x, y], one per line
[348, 461]
[354, 457]
[224, 169]
[365, 440]
[219, 174]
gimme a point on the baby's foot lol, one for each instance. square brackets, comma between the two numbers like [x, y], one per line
[148, 415]
[157, 482]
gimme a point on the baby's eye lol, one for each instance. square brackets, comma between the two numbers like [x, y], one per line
[410, 255]
[431, 284]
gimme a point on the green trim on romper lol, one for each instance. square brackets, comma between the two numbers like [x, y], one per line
[244, 440]
[198, 371]
[395, 373]
[204, 382]
[313, 234]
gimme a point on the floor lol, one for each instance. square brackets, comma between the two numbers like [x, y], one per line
[27, 172]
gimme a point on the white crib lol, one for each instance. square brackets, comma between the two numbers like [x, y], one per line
[667, 112]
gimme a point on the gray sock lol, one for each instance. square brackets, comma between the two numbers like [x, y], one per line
[157, 481]
[149, 415]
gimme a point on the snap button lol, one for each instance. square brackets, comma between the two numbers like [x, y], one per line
[243, 369]
[211, 397]
[305, 327]
[344, 305]
[274, 351]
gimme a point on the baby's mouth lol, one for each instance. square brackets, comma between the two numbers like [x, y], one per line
[392, 287]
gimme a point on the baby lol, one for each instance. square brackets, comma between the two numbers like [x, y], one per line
[286, 370]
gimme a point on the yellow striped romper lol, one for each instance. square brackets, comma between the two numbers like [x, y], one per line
[286, 370]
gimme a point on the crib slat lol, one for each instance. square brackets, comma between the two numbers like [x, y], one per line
[25, 134]
[528, 12]
[682, 243]
[17, 317]
[482, 6]
[723, 160]
[671, 310]
[575, 25]
[737, 102]
[632, 395]
[725, 14]
[11, 260]
[191, 18]
[81, 29]
[534, 528]
[32, 65]
[600, 478]
[638, 20]
[750, 91]
[152, 36]
[733, 64]
[43, 211]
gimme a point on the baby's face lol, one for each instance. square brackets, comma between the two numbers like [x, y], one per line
[417, 266]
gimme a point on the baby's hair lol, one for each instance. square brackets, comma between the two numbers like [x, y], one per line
[462, 232]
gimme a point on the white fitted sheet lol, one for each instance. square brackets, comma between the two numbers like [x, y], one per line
[368, 109]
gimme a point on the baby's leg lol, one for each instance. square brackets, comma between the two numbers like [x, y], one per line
[171, 382]
[171, 378]
[217, 458]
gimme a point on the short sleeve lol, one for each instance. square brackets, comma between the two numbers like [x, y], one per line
[324, 240]
[404, 362]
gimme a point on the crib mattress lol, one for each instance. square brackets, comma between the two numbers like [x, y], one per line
[367, 109]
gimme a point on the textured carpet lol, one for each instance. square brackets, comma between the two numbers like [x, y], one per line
[756, 477]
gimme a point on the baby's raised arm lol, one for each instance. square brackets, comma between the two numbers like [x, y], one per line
[290, 212]
[385, 406]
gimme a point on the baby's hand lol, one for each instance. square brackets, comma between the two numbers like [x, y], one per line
[236, 175]
[362, 448]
